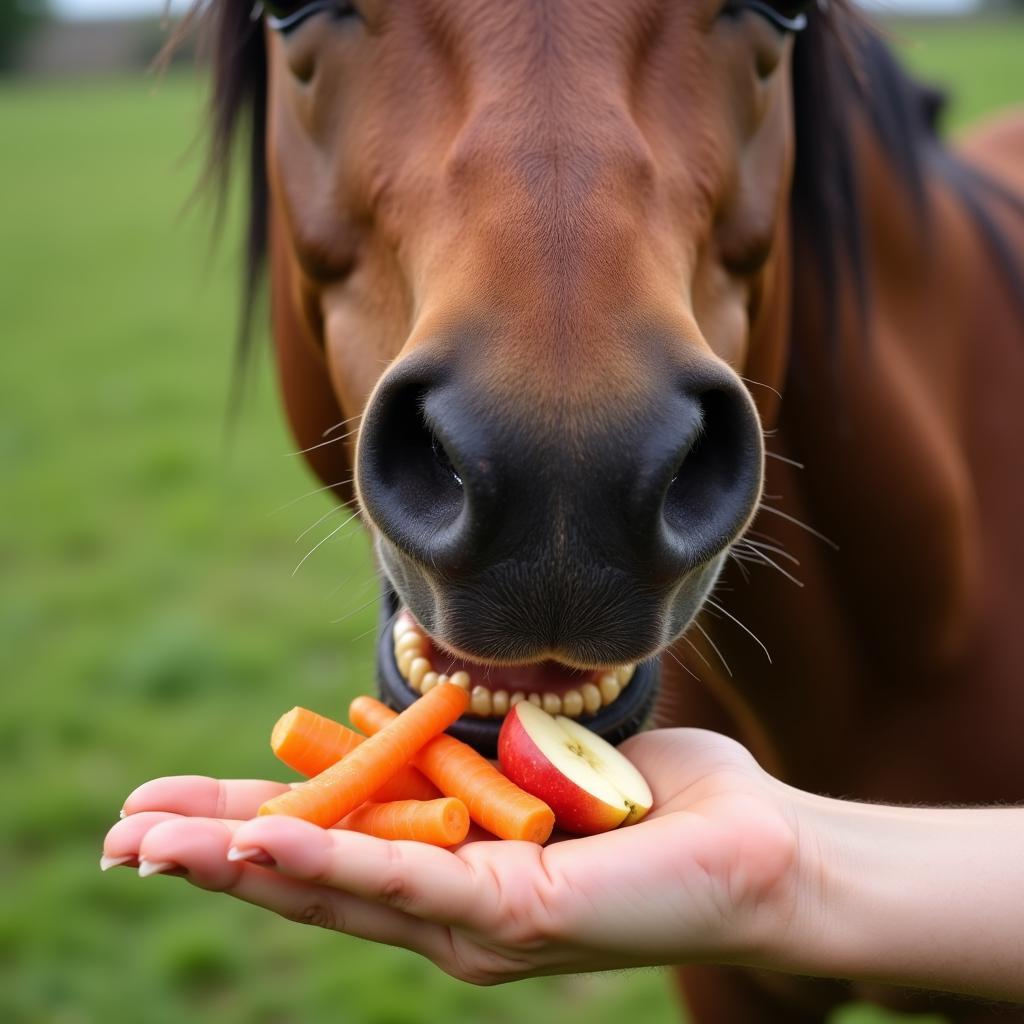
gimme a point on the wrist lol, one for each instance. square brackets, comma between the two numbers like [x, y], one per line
[918, 897]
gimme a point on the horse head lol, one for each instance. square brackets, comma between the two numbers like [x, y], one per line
[532, 248]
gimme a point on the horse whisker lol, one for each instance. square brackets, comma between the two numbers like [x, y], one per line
[355, 611]
[714, 604]
[763, 559]
[682, 664]
[779, 546]
[749, 380]
[309, 494]
[378, 574]
[695, 648]
[323, 444]
[330, 512]
[331, 430]
[796, 522]
[784, 458]
[778, 549]
[714, 647]
[323, 540]
[337, 587]
[739, 564]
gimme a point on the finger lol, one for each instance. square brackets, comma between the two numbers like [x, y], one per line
[425, 881]
[200, 796]
[121, 844]
[199, 847]
[309, 903]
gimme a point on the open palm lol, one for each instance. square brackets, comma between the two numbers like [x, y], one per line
[713, 864]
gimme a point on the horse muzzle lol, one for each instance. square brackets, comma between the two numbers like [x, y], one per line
[549, 552]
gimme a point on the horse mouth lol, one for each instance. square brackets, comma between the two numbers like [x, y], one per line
[612, 701]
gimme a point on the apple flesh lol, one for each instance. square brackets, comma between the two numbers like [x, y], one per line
[589, 785]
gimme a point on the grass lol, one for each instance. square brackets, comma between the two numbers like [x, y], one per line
[977, 62]
[150, 622]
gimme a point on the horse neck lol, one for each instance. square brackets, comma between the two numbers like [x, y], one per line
[880, 420]
[877, 420]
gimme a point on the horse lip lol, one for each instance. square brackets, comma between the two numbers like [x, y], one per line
[615, 722]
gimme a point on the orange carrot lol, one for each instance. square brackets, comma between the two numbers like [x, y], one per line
[326, 798]
[442, 822]
[309, 743]
[493, 801]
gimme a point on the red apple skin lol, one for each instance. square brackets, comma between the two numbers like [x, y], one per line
[576, 810]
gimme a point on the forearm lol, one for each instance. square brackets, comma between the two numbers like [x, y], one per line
[922, 897]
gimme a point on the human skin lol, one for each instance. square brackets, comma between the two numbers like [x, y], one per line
[732, 866]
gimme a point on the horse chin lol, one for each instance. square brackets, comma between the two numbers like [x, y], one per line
[615, 720]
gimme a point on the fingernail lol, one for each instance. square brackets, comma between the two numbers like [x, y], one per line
[158, 867]
[253, 854]
[106, 863]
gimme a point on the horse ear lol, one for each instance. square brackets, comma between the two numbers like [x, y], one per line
[314, 414]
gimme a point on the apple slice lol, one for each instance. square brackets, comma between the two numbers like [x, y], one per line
[589, 785]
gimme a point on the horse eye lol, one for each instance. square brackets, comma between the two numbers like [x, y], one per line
[285, 15]
[785, 15]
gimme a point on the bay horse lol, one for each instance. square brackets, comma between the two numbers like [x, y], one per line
[674, 365]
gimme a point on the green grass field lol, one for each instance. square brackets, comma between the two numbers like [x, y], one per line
[150, 623]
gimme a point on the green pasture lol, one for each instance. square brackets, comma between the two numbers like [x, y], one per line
[150, 619]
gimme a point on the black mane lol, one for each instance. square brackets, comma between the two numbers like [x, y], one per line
[840, 65]
[237, 112]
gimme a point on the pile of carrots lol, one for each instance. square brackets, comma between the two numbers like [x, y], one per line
[404, 779]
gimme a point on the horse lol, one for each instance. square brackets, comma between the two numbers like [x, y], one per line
[672, 362]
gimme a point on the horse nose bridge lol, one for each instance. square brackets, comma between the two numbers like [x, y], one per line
[550, 160]
[556, 240]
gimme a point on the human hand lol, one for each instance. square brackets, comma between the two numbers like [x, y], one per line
[711, 873]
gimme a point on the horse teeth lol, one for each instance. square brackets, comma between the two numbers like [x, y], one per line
[572, 703]
[403, 624]
[417, 670]
[405, 660]
[411, 646]
[551, 703]
[480, 701]
[609, 686]
[591, 698]
[411, 641]
[461, 679]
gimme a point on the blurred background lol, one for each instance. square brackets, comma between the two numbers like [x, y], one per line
[151, 621]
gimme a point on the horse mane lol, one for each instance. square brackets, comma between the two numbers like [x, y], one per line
[840, 63]
[233, 44]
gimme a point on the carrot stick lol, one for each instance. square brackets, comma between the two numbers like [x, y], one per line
[309, 743]
[493, 801]
[326, 798]
[442, 822]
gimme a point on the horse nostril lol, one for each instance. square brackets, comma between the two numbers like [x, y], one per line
[407, 476]
[716, 476]
[443, 458]
[425, 478]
